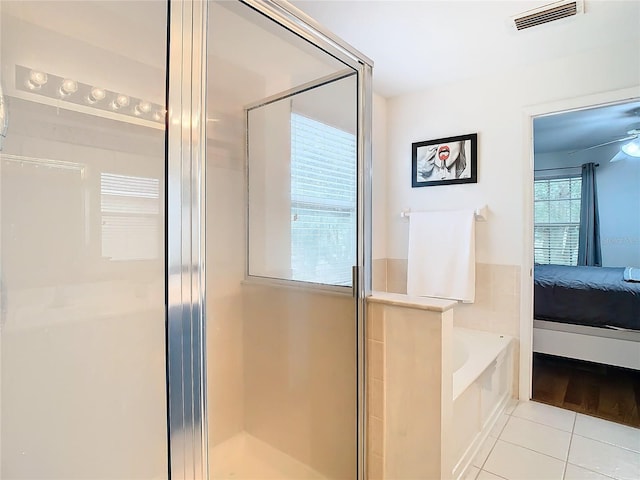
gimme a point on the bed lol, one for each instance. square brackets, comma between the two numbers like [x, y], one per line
[589, 313]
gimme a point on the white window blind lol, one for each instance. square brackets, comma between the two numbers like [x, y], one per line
[323, 202]
[557, 220]
[130, 208]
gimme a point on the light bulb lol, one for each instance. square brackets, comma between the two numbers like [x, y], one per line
[159, 115]
[120, 101]
[68, 87]
[36, 80]
[96, 95]
[142, 107]
[632, 148]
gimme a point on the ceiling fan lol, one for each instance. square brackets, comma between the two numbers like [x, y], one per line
[631, 148]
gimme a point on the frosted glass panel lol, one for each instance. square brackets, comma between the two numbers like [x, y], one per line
[82, 178]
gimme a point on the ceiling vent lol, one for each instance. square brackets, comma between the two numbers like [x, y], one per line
[548, 13]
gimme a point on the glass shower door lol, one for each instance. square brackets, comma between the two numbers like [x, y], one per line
[82, 253]
[281, 243]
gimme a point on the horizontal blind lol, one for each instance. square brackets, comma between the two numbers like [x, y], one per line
[323, 202]
[130, 208]
[557, 220]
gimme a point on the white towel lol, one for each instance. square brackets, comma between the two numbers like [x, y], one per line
[442, 255]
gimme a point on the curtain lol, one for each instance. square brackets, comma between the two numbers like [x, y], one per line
[589, 252]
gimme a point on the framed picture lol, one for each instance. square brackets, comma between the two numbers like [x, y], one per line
[445, 161]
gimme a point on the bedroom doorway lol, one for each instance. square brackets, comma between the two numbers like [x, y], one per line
[585, 248]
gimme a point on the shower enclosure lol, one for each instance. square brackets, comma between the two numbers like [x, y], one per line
[182, 242]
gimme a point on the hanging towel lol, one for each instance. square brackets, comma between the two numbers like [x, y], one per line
[442, 258]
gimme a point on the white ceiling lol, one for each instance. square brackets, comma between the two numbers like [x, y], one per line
[420, 44]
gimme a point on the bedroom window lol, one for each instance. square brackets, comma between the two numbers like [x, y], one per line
[557, 220]
[323, 209]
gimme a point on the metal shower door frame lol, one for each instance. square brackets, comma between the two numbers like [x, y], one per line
[185, 225]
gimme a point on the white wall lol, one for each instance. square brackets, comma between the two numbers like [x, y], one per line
[379, 177]
[495, 107]
[619, 194]
[618, 200]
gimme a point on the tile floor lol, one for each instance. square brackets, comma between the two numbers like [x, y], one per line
[244, 457]
[539, 442]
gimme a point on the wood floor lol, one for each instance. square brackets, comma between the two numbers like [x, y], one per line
[603, 391]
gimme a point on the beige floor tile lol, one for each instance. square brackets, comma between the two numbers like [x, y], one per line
[546, 414]
[518, 463]
[573, 472]
[608, 432]
[603, 458]
[538, 437]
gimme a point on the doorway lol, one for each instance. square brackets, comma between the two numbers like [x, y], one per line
[578, 352]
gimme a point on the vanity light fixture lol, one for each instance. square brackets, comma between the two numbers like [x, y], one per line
[65, 92]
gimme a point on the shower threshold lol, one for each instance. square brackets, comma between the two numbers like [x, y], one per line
[243, 456]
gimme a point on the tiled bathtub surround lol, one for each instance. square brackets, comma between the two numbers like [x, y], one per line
[409, 387]
[375, 395]
[496, 309]
[379, 274]
[497, 305]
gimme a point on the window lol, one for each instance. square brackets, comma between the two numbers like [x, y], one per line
[130, 208]
[323, 202]
[557, 220]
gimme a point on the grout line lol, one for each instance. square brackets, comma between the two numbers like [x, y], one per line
[575, 416]
[535, 451]
[547, 425]
[488, 454]
[496, 440]
[566, 462]
[517, 402]
[494, 474]
[608, 443]
[602, 441]
[590, 470]
[503, 427]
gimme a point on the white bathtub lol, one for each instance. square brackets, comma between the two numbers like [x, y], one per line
[482, 379]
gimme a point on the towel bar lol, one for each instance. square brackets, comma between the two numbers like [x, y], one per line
[480, 213]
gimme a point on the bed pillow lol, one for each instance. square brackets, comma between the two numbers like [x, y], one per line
[631, 274]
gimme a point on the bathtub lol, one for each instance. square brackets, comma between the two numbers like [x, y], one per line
[482, 379]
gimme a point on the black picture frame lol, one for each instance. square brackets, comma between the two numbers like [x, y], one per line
[432, 161]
